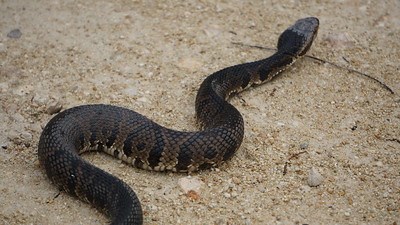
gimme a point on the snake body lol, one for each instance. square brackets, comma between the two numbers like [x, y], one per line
[143, 143]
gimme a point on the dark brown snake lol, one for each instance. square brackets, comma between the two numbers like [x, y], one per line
[141, 142]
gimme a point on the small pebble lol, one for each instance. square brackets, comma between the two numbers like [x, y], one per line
[262, 189]
[40, 99]
[54, 107]
[193, 195]
[234, 194]
[143, 99]
[339, 40]
[153, 208]
[227, 195]
[280, 124]
[2, 48]
[26, 136]
[188, 184]
[131, 91]
[212, 32]
[13, 135]
[314, 178]
[303, 146]
[236, 180]
[16, 33]
[4, 145]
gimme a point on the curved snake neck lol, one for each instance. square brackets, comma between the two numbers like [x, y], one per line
[143, 143]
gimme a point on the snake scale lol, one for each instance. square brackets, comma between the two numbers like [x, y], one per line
[143, 143]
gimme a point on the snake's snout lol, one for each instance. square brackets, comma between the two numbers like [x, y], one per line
[308, 29]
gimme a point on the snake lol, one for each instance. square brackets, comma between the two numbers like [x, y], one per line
[141, 142]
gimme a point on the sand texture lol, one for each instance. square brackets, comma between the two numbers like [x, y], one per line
[321, 146]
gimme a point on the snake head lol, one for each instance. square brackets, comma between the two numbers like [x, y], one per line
[298, 38]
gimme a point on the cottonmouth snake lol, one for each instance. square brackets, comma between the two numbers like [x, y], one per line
[141, 142]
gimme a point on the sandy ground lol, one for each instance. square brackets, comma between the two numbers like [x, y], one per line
[151, 57]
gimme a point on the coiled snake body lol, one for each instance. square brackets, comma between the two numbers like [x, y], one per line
[141, 142]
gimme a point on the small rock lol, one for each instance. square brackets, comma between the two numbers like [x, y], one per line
[2, 48]
[339, 40]
[234, 194]
[16, 33]
[280, 124]
[236, 180]
[26, 136]
[143, 99]
[252, 24]
[4, 145]
[193, 195]
[188, 184]
[303, 146]
[131, 91]
[54, 107]
[314, 178]
[13, 135]
[40, 99]
[262, 189]
[153, 208]
[212, 32]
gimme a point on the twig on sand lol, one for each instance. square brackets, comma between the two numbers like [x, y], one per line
[324, 61]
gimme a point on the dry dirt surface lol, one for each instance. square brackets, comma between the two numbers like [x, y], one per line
[322, 144]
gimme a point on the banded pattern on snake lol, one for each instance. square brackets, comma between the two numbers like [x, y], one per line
[143, 143]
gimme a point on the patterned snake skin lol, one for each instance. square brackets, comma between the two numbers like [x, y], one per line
[141, 142]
